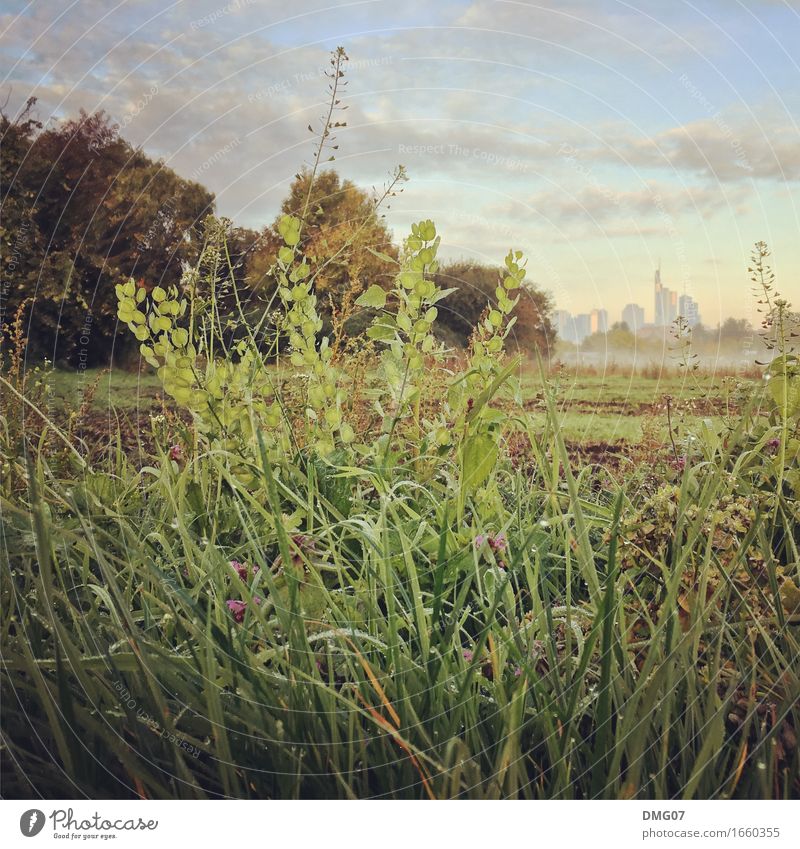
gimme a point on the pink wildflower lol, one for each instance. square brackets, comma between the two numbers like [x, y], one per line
[243, 570]
[176, 453]
[237, 608]
[302, 545]
[498, 543]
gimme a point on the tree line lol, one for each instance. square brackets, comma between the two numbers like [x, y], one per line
[82, 210]
[730, 337]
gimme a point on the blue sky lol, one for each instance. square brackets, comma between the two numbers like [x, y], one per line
[599, 136]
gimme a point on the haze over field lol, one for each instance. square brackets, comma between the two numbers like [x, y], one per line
[599, 137]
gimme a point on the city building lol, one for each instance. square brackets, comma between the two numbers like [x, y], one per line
[666, 302]
[689, 310]
[565, 325]
[633, 316]
[598, 321]
[668, 306]
[575, 328]
[583, 326]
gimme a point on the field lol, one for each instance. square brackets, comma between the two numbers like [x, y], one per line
[595, 412]
[580, 587]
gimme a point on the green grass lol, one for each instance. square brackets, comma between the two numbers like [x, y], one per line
[116, 388]
[125, 388]
[632, 643]
[592, 409]
[638, 389]
[594, 428]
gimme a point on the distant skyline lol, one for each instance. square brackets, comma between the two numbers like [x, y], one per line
[665, 306]
[596, 135]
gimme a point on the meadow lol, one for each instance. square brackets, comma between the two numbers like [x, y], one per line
[596, 412]
[432, 593]
[285, 561]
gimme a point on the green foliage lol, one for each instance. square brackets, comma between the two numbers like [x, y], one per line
[374, 298]
[253, 621]
[386, 647]
[490, 334]
[82, 209]
[472, 286]
[302, 324]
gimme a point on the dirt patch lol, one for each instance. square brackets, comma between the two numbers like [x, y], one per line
[693, 407]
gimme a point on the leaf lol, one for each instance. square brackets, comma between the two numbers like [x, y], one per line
[442, 293]
[790, 597]
[478, 456]
[383, 256]
[785, 392]
[381, 331]
[374, 297]
[487, 394]
[180, 337]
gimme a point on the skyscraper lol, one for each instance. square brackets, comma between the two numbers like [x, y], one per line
[633, 316]
[659, 299]
[688, 309]
[666, 302]
[565, 325]
[598, 321]
[583, 326]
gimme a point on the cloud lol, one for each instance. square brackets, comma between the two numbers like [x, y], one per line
[599, 203]
[720, 148]
[598, 29]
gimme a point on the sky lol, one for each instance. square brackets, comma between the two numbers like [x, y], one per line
[601, 137]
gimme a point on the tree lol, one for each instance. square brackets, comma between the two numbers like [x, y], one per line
[21, 241]
[618, 338]
[341, 229]
[475, 286]
[89, 210]
[735, 328]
